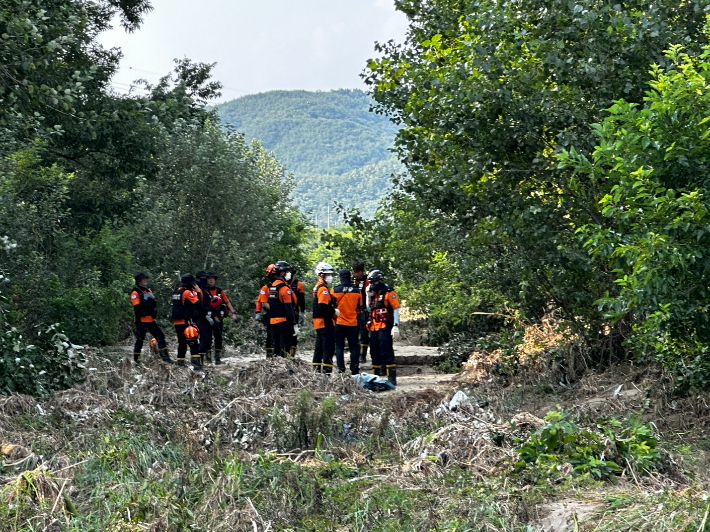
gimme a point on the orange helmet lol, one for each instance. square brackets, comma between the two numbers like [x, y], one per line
[270, 269]
[153, 342]
[191, 333]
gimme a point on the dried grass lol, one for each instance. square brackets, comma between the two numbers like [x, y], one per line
[17, 404]
[539, 339]
[460, 444]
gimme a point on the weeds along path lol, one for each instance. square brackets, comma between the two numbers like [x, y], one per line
[269, 445]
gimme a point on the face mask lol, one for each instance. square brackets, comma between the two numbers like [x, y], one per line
[328, 279]
[289, 275]
[202, 283]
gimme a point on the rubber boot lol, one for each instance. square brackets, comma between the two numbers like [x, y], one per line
[269, 352]
[392, 374]
[196, 362]
[181, 362]
[327, 369]
[207, 358]
[363, 352]
[217, 357]
[137, 358]
[377, 370]
[164, 355]
[292, 352]
[318, 367]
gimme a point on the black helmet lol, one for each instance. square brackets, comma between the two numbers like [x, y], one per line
[375, 275]
[201, 273]
[188, 279]
[282, 266]
[212, 274]
[139, 277]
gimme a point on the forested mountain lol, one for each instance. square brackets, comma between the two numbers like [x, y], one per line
[337, 149]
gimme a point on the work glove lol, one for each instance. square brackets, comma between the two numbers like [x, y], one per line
[257, 317]
[296, 332]
[210, 321]
[395, 332]
[148, 296]
[337, 312]
[302, 318]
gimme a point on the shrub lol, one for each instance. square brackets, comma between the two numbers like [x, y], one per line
[39, 365]
[596, 451]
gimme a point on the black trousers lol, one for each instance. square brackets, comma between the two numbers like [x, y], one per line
[182, 343]
[351, 333]
[205, 335]
[269, 335]
[283, 336]
[325, 348]
[381, 348]
[362, 326]
[142, 328]
[217, 330]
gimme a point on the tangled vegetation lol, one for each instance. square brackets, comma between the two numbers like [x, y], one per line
[274, 446]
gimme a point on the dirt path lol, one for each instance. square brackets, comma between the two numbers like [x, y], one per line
[414, 369]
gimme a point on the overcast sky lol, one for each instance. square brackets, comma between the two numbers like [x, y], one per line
[260, 45]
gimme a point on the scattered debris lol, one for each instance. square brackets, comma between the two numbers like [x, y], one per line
[373, 382]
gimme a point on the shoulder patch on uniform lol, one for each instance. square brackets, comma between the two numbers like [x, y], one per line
[262, 292]
[393, 296]
[325, 292]
[288, 292]
[134, 296]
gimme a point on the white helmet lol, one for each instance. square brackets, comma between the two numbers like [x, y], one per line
[324, 268]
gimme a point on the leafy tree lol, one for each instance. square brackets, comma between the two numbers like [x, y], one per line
[651, 164]
[95, 186]
[487, 93]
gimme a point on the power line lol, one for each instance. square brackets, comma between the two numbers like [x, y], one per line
[157, 74]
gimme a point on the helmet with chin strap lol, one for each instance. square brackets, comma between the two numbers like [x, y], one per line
[323, 268]
[282, 266]
[375, 276]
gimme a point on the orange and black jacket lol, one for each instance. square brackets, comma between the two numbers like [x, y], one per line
[221, 311]
[262, 298]
[323, 306]
[144, 309]
[387, 298]
[348, 299]
[186, 303]
[300, 292]
[281, 301]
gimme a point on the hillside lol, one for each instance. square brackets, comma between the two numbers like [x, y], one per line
[336, 148]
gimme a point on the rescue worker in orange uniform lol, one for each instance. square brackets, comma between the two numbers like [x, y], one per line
[144, 309]
[262, 309]
[204, 321]
[383, 304]
[186, 303]
[360, 280]
[347, 299]
[219, 307]
[284, 323]
[324, 315]
[300, 307]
